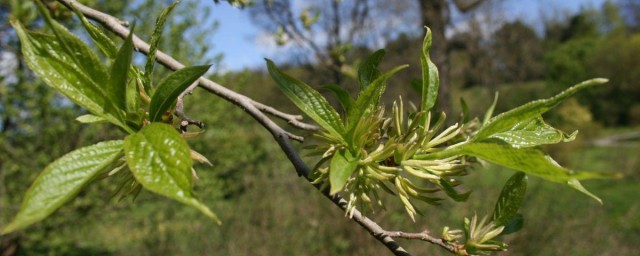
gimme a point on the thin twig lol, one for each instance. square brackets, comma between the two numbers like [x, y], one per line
[185, 121]
[255, 110]
[453, 248]
[294, 120]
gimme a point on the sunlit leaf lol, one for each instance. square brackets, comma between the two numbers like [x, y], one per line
[91, 119]
[308, 100]
[81, 55]
[430, 78]
[342, 165]
[510, 199]
[170, 88]
[70, 67]
[532, 132]
[531, 161]
[62, 180]
[509, 119]
[368, 70]
[161, 161]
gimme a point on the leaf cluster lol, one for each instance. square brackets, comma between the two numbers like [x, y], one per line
[411, 154]
[153, 155]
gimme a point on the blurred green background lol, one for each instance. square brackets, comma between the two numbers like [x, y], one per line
[267, 209]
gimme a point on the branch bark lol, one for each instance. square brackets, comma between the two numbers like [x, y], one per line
[259, 112]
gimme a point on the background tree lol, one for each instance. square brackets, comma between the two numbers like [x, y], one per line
[328, 29]
[516, 53]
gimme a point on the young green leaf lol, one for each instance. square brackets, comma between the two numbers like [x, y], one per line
[106, 45]
[369, 99]
[132, 95]
[154, 41]
[492, 107]
[82, 56]
[465, 110]
[91, 119]
[368, 70]
[342, 165]
[118, 75]
[531, 161]
[509, 119]
[170, 88]
[532, 132]
[61, 181]
[451, 192]
[510, 199]
[430, 78]
[68, 73]
[308, 100]
[160, 160]
[342, 94]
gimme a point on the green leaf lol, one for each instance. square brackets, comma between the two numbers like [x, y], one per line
[106, 45]
[368, 70]
[342, 94]
[160, 160]
[532, 132]
[510, 199]
[132, 95]
[342, 165]
[369, 99]
[430, 78]
[451, 192]
[514, 224]
[509, 119]
[308, 100]
[531, 161]
[170, 88]
[62, 180]
[465, 110]
[91, 119]
[154, 41]
[117, 86]
[79, 52]
[492, 107]
[75, 73]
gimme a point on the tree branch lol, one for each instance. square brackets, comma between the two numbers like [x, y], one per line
[179, 111]
[115, 25]
[453, 248]
[257, 111]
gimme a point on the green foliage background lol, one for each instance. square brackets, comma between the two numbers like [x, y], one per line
[267, 210]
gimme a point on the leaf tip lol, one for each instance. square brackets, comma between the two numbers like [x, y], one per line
[574, 183]
[601, 80]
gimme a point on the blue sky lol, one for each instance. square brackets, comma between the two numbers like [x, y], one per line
[237, 35]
